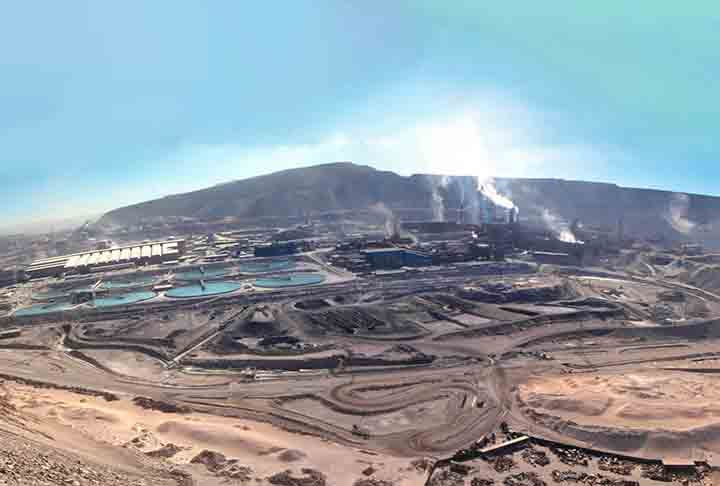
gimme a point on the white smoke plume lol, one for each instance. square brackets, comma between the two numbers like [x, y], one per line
[392, 226]
[437, 201]
[487, 189]
[469, 201]
[466, 188]
[677, 213]
[438, 207]
[559, 227]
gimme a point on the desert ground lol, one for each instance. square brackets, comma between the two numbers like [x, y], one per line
[460, 378]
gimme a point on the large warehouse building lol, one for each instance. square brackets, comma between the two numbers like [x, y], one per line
[101, 260]
[396, 258]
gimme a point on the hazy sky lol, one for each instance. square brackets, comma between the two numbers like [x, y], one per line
[108, 103]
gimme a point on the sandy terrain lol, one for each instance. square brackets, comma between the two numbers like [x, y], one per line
[585, 372]
[129, 363]
[68, 417]
[662, 400]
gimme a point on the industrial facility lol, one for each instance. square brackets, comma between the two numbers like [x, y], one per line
[395, 258]
[423, 332]
[153, 252]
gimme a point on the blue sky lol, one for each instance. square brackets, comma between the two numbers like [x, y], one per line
[109, 103]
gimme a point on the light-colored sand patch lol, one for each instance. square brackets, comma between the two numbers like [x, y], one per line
[661, 400]
[129, 363]
[258, 445]
[592, 407]
[413, 417]
[205, 434]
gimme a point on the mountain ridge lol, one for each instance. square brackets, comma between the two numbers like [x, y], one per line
[346, 186]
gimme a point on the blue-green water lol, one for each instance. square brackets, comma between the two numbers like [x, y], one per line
[266, 266]
[62, 293]
[291, 280]
[132, 282]
[124, 299]
[210, 288]
[84, 288]
[197, 274]
[53, 294]
[39, 309]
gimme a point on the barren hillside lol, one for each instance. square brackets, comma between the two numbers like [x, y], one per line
[347, 187]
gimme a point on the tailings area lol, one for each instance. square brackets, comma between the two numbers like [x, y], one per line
[383, 377]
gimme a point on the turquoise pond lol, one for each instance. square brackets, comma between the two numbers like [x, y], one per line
[40, 309]
[84, 288]
[266, 266]
[109, 301]
[124, 299]
[131, 282]
[53, 294]
[290, 280]
[197, 290]
[198, 274]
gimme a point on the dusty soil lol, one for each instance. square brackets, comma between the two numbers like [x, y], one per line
[590, 369]
[663, 400]
[217, 444]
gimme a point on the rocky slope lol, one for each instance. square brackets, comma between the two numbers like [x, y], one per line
[645, 213]
[25, 462]
[39, 452]
[324, 188]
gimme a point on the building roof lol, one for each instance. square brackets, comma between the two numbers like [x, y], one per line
[550, 253]
[417, 253]
[372, 251]
[109, 256]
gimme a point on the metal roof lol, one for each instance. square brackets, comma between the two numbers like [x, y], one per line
[383, 250]
[110, 255]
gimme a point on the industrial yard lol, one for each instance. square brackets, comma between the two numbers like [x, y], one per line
[418, 353]
[360, 243]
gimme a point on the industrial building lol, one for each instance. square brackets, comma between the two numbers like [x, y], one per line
[110, 259]
[556, 258]
[276, 249]
[396, 258]
[432, 227]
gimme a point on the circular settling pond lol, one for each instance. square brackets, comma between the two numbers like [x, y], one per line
[124, 284]
[40, 309]
[123, 299]
[53, 294]
[197, 290]
[199, 274]
[269, 266]
[291, 280]
[84, 288]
